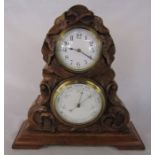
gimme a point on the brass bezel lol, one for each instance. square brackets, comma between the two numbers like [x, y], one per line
[61, 86]
[61, 35]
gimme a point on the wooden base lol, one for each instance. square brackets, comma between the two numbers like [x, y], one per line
[28, 139]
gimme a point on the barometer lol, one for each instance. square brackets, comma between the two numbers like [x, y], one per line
[78, 102]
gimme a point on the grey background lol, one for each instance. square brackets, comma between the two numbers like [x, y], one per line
[26, 24]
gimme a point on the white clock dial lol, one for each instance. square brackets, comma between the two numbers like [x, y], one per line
[79, 103]
[78, 49]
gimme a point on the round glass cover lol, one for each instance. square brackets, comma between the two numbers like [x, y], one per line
[78, 49]
[78, 103]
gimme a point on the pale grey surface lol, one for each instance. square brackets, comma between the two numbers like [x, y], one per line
[26, 24]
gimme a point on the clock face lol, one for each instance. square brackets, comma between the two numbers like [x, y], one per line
[78, 49]
[78, 102]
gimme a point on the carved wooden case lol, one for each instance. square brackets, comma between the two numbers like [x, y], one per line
[115, 119]
[116, 116]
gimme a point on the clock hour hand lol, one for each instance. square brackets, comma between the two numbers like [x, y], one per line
[73, 49]
[80, 51]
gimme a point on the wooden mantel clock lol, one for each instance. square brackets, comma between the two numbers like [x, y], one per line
[78, 104]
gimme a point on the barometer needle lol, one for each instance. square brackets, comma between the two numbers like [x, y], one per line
[86, 98]
[78, 103]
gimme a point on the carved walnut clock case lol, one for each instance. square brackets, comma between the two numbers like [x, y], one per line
[78, 104]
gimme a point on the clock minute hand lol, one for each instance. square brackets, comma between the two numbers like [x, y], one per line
[80, 51]
[85, 54]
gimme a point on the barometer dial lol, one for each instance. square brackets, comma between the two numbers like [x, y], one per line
[78, 102]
